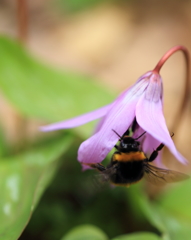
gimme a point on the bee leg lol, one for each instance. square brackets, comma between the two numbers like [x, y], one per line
[116, 147]
[154, 154]
[98, 166]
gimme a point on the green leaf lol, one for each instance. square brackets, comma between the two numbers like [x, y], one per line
[175, 227]
[23, 180]
[177, 200]
[141, 204]
[172, 222]
[39, 91]
[177, 210]
[183, 231]
[85, 232]
[138, 236]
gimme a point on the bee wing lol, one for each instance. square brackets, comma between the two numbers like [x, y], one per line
[160, 176]
[108, 172]
[104, 173]
[101, 180]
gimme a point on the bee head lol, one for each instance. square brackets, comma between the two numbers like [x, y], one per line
[129, 144]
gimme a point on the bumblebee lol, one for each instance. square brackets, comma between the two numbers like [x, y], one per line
[129, 165]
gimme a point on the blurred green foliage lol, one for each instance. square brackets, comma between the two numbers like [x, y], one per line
[77, 5]
[73, 205]
[38, 91]
[85, 232]
[73, 6]
[23, 178]
[138, 236]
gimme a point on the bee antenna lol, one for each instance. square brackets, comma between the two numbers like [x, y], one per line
[140, 136]
[172, 135]
[117, 134]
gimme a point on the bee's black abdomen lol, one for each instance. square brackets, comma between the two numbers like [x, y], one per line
[128, 172]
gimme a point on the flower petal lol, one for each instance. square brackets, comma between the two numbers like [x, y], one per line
[87, 117]
[96, 148]
[101, 121]
[77, 121]
[118, 118]
[150, 117]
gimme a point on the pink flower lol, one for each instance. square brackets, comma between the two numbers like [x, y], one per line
[142, 102]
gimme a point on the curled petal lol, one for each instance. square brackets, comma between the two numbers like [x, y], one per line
[96, 148]
[77, 121]
[150, 117]
[119, 118]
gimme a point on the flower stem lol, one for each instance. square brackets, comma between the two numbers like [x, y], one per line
[187, 82]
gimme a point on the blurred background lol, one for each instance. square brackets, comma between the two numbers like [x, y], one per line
[113, 42]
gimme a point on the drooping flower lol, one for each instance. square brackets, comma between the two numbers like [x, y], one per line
[142, 102]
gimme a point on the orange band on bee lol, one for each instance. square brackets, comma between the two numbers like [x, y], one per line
[131, 156]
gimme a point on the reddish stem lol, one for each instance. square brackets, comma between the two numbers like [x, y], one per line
[187, 83]
[22, 20]
[169, 53]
